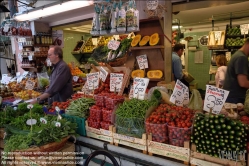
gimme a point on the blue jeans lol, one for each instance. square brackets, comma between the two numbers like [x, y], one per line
[235, 100]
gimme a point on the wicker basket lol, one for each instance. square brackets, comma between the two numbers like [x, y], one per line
[51, 147]
[119, 61]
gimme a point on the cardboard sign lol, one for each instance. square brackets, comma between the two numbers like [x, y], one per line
[29, 85]
[214, 99]
[217, 35]
[113, 44]
[103, 74]
[177, 96]
[87, 66]
[139, 87]
[244, 29]
[142, 61]
[75, 78]
[116, 82]
[93, 80]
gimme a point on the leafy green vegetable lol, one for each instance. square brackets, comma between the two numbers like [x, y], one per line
[22, 109]
[43, 82]
[6, 116]
[100, 53]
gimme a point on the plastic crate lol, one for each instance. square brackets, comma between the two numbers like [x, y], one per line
[81, 129]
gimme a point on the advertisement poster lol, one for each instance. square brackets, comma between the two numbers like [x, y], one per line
[57, 37]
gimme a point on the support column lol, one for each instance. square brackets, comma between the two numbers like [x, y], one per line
[167, 45]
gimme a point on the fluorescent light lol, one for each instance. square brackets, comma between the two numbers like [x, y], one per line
[176, 26]
[52, 10]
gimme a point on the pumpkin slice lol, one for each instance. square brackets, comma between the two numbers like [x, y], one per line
[154, 39]
[136, 40]
[144, 41]
[137, 73]
[155, 74]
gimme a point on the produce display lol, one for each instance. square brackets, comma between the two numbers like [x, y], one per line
[136, 40]
[43, 82]
[75, 71]
[234, 41]
[213, 133]
[154, 39]
[145, 40]
[212, 41]
[130, 117]
[155, 74]
[233, 30]
[26, 94]
[138, 73]
[80, 107]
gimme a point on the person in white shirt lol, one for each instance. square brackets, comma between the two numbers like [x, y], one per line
[221, 62]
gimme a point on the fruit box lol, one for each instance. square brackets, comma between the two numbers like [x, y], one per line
[78, 47]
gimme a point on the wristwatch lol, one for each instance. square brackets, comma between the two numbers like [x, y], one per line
[38, 99]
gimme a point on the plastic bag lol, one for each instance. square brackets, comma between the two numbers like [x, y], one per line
[195, 101]
[43, 80]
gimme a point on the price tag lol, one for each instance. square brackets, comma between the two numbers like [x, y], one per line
[103, 74]
[152, 5]
[186, 98]
[30, 57]
[178, 94]
[113, 44]
[57, 109]
[31, 122]
[116, 82]
[21, 40]
[131, 92]
[142, 61]
[75, 78]
[43, 120]
[29, 85]
[20, 47]
[244, 29]
[57, 124]
[48, 62]
[217, 35]
[139, 87]
[85, 89]
[93, 80]
[214, 99]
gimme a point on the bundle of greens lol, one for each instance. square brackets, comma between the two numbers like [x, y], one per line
[100, 54]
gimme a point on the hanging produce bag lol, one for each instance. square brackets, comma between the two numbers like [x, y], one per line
[132, 21]
[95, 23]
[195, 101]
[121, 23]
[113, 19]
[43, 80]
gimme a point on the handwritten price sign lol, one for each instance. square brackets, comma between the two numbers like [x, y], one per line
[85, 89]
[75, 78]
[93, 80]
[103, 74]
[178, 95]
[116, 82]
[244, 29]
[113, 44]
[30, 85]
[186, 98]
[139, 87]
[217, 35]
[5, 79]
[142, 61]
[214, 99]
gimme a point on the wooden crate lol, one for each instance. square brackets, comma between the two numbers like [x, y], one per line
[100, 134]
[179, 153]
[65, 156]
[136, 143]
[2, 133]
[200, 159]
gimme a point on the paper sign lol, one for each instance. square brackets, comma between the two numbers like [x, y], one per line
[244, 29]
[19, 79]
[30, 57]
[6, 28]
[217, 35]
[152, 5]
[139, 87]
[214, 99]
[103, 74]
[31, 122]
[93, 80]
[29, 85]
[18, 74]
[5, 79]
[20, 47]
[113, 44]
[131, 92]
[16, 101]
[58, 124]
[142, 61]
[75, 78]
[186, 98]
[177, 96]
[85, 89]
[21, 40]
[116, 82]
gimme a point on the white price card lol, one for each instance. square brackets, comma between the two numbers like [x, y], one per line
[103, 74]
[131, 92]
[244, 29]
[30, 57]
[19, 79]
[20, 47]
[139, 87]
[18, 74]
[85, 89]
[217, 35]
[75, 78]
[93, 80]
[21, 40]
[5, 79]
[116, 81]
[215, 98]
[113, 44]
[178, 94]
[142, 61]
[30, 85]
[186, 98]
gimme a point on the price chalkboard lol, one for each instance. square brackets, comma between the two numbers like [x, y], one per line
[214, 99]
[142, 61]
[103, 74]
[179, 93]
[203, 40]
[116, 81]
[113, 44]
[139, 87]
[93, 80]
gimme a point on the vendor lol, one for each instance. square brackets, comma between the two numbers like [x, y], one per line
[60, 87]
[236, 80]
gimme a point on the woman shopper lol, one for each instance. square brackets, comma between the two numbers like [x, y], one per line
[221, 62]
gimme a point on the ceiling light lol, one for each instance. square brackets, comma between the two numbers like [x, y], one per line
[51, 10]
[176, 26]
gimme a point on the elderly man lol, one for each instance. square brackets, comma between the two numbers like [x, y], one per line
[60, 88]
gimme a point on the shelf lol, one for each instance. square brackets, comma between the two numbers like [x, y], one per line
[146, 47]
